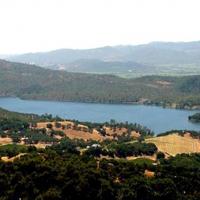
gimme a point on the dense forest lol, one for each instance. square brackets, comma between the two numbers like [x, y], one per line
[32, 82]
[60, 174]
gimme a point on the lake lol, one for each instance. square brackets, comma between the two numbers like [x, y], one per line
[156, 118]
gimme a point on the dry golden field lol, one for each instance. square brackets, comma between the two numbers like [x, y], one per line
[82, 131]
[175, 144]
[5, 140]
[7, 159]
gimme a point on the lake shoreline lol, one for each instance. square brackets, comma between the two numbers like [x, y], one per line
[156, 118]
[165, 106]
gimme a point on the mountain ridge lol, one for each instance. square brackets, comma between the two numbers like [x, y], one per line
[156, 58]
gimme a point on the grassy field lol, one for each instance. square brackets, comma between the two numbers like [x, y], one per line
[175, 144]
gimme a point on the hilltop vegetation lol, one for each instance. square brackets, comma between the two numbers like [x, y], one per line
[32, 82]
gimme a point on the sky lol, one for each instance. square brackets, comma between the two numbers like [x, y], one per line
[44, 25]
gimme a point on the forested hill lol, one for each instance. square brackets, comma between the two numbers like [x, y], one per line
[32, 82]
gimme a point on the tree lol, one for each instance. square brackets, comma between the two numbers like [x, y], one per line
[58, 125]
[49, 125]
[160, 155]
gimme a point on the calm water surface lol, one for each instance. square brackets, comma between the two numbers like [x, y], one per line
[156, 118]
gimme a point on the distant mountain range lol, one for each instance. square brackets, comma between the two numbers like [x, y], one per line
[164, 58]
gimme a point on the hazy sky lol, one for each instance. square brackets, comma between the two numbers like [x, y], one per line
[40, 25]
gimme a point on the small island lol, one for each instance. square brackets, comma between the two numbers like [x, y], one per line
[195, 118]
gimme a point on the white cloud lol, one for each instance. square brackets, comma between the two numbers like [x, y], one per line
[40, 25]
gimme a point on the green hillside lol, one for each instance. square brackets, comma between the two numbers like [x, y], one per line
[32, 82]
[5, 114]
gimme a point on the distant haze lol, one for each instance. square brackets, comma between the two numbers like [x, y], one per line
[157, 58]
[35, 25]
